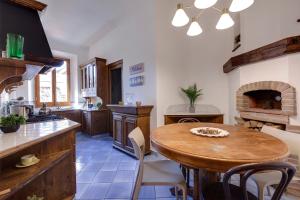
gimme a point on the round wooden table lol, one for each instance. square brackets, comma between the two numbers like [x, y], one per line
[242, 146]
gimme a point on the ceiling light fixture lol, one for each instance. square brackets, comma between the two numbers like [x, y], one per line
[195, 28]
[239, 5]
[225, 21]
[203, 4]
[180, 19]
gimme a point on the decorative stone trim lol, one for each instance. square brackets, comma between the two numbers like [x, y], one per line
[288, 94]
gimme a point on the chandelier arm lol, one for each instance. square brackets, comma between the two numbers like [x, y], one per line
[188, 7]
[217, 9]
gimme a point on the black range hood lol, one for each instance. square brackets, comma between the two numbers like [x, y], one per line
[26, 22]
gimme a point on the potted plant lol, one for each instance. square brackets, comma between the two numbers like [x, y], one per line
[11, 123]
[192, 93]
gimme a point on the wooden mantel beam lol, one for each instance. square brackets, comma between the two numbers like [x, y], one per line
[33, 4]
[276, 49]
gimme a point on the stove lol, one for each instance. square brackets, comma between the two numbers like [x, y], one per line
[43, 118]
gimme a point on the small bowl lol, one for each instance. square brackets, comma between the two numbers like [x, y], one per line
[10, 129]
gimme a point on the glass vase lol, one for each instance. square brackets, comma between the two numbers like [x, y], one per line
[192, 108]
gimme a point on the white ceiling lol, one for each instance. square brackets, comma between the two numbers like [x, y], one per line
[81, 22]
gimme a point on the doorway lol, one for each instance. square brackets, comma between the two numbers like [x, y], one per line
[115, 85]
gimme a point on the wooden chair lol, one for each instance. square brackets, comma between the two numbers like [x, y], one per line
[185, 169]
[187, 120]
[267, 179]
[226, 191]
[162, 172]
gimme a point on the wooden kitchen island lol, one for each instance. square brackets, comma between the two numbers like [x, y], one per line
[54, 177]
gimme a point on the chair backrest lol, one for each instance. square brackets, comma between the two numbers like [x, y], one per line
[248, 170]
[291, 139]
[187, 120]
[138, 142]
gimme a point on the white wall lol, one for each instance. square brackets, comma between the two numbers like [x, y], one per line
[133, 40]
[268, 21]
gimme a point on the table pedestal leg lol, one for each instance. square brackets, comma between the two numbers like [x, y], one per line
[196, 192]
[208, 178]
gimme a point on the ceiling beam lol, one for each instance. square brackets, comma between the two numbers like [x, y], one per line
[276, 49]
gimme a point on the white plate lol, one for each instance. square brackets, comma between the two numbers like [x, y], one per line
[222, 133]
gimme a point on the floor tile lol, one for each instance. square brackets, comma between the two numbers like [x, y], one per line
[124, 176]
[93, 166]
[95, 191]
[129, 165]
[147, 192]
[80, 188]
[105, 177]
[110, 166]
[99, 157]
[79, 167]
[119, 190]
[163, 192]
[86, 176]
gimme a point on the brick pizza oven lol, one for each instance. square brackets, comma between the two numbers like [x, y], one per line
[266, 102]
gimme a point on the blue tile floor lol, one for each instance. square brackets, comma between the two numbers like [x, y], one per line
[106, 173]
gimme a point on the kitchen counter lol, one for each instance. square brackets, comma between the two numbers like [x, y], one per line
[53, 143]
[30, 134]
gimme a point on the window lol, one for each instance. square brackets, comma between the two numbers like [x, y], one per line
[53, 88]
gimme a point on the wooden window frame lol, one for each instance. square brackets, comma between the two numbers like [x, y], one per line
[54, 103]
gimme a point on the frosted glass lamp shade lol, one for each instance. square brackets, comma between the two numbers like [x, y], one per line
[180, 18]
[239, 5]
[203, 4]
[195, 29]
[225, 21]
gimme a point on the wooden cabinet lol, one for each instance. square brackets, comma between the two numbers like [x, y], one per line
[94, 79]
[74, 115]
[95, 122]
[127, 118]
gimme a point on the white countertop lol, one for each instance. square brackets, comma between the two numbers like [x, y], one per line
[31, 133]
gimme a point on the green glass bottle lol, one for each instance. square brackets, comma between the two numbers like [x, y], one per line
[14, 46]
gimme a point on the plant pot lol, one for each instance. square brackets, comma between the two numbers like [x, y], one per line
[10, 129]
[192, 109]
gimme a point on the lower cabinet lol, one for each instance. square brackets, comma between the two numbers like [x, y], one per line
[74, 115]
[95, 122]
[126, 119]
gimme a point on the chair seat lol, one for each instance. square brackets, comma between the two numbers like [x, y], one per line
[164, 172]
[215, 192]
[268, 178]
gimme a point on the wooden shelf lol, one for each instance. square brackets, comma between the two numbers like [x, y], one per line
[14, 63]
[15, 179]
[13, 72]
[276, 49]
